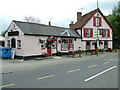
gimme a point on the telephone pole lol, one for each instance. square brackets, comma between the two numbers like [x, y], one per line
[97, 31]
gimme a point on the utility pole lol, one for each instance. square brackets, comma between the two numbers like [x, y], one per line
[97, 31]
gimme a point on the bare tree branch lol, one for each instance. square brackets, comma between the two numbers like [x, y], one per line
[31, 19]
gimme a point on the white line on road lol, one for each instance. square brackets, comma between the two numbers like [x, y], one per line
[92, 66]
[100, 73]
[7, 85]
[46, 77]
[73, 70]
[106, 62]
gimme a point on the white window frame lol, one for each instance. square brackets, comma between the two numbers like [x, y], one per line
[43, 45]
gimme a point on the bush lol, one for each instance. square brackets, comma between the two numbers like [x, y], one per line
[118, 47]
[102, 50]
[58, 54]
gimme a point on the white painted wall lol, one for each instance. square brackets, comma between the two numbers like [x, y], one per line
[77, 43]
[32, 46]
[90, 25]
[19, 52]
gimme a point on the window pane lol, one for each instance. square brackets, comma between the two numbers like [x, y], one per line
[18, 43]
[88, 32]
[8, 43]
[97, 21]
[105, 33]
[64, 43]
[71, 43]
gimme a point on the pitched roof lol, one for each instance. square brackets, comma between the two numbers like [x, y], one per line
[87, 17]
[44, 30]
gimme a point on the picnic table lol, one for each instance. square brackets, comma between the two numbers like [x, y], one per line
[74, 52]
[93, 51]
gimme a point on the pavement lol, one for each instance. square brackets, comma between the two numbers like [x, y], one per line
[13, 65]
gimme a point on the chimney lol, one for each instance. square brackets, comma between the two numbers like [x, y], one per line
[49, 23]
[79, 16]
[71, 24]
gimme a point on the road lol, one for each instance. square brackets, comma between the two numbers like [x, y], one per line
[97, 72]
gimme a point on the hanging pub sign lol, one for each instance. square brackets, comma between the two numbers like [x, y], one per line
[13, 33]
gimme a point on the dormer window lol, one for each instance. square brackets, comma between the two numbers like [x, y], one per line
[97, 21]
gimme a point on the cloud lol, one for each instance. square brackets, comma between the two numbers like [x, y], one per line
[62, 11]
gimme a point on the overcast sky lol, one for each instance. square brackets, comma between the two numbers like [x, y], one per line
[61, 11]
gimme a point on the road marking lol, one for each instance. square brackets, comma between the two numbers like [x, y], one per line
[46, 77]
[7, 85]
[92, 66]
[100, 73]
[106, 62]
[73, 70]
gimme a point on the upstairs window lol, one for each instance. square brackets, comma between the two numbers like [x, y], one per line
[97, 21]
[100, 31]
[106, 33]
[88, 32]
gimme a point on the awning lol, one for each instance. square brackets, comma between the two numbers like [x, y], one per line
[52, 38]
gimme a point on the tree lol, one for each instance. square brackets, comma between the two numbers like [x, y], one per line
[3, 33]
[31, 19]
[114, 20]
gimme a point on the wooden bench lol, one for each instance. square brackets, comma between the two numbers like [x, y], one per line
[73, 53]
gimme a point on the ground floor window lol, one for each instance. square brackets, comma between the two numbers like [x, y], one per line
[54, 44]
[43, 44]
[105, 45]
[8, 43]
[88, 45]
[67, 44]
[18, 44]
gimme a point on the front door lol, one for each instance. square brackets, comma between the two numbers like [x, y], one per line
[49, 49]
[13, 43]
